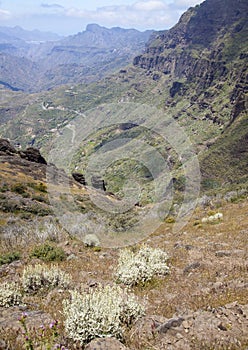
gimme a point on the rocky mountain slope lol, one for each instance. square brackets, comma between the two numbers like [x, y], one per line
[200, 304]
[204, 57]
[87, 56]
[206, 48]
[196, 73]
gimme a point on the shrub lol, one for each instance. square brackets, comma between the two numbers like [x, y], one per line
[40, 199]
[19, 188]
[16, 234]
[91, 240]
[47, 252]
[170, 220]
[196, 223]
[142, 266]
[213, 218]
[10, 294]
[9, 257]
[103, 312]
[48, 231]
[39, 209]
[41, 187]
[39, 277]
[4, 188]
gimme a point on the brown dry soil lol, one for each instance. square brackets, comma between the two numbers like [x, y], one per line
[201, 304]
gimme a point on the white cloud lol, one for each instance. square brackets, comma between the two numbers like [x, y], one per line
[151, 5]
[138, 15]
[54, 15]
[56, 6]
[185, 3]
[142, 14]
[4, 14]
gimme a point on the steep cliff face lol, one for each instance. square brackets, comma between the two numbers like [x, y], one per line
[202, 45]
[203, 60]
[195, 72]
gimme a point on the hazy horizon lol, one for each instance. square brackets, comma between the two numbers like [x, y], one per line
[69, 17]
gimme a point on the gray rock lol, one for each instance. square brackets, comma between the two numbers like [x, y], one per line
[172, 323]
[191, 267]
[71, 257]
[33, 155]
[6, 147]
[105, 344]
[35, 318]
[223, 253]
[98, 183]
[79, 178]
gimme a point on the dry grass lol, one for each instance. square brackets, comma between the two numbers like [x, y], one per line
[199, 278]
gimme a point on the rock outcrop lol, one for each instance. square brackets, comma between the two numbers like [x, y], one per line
[203, 60]
[96, 181]
[33, 155]
[6, 148]
[200, 46]
[79, 178]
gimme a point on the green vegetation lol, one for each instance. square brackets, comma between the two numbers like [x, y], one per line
[170, 220]
[9, 257]
[19, 188]
[48, 252]
[194, 75]
[41, 187]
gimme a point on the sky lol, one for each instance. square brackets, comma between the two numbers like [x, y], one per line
[66, 17]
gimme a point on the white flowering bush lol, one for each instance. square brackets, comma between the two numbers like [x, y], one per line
[42, 276]
[141, 266]
[91, 240]
[10, 294]
[103, 312]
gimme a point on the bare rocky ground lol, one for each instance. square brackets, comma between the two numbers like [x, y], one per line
[201, 304]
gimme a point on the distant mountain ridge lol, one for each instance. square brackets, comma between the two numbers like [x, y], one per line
[29, 35]
[84, 57]
[201, 81]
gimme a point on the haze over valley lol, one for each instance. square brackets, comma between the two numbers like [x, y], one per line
[123, 184]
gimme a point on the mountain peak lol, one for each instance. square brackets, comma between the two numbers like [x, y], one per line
[93, 27]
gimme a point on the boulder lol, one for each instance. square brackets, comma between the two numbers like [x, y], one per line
[171, 323]
[98, 183]
[6, 148]
[79, 178]
[33, 155]
[9, 318]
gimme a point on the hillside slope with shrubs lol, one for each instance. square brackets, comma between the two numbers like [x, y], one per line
[186, 289]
